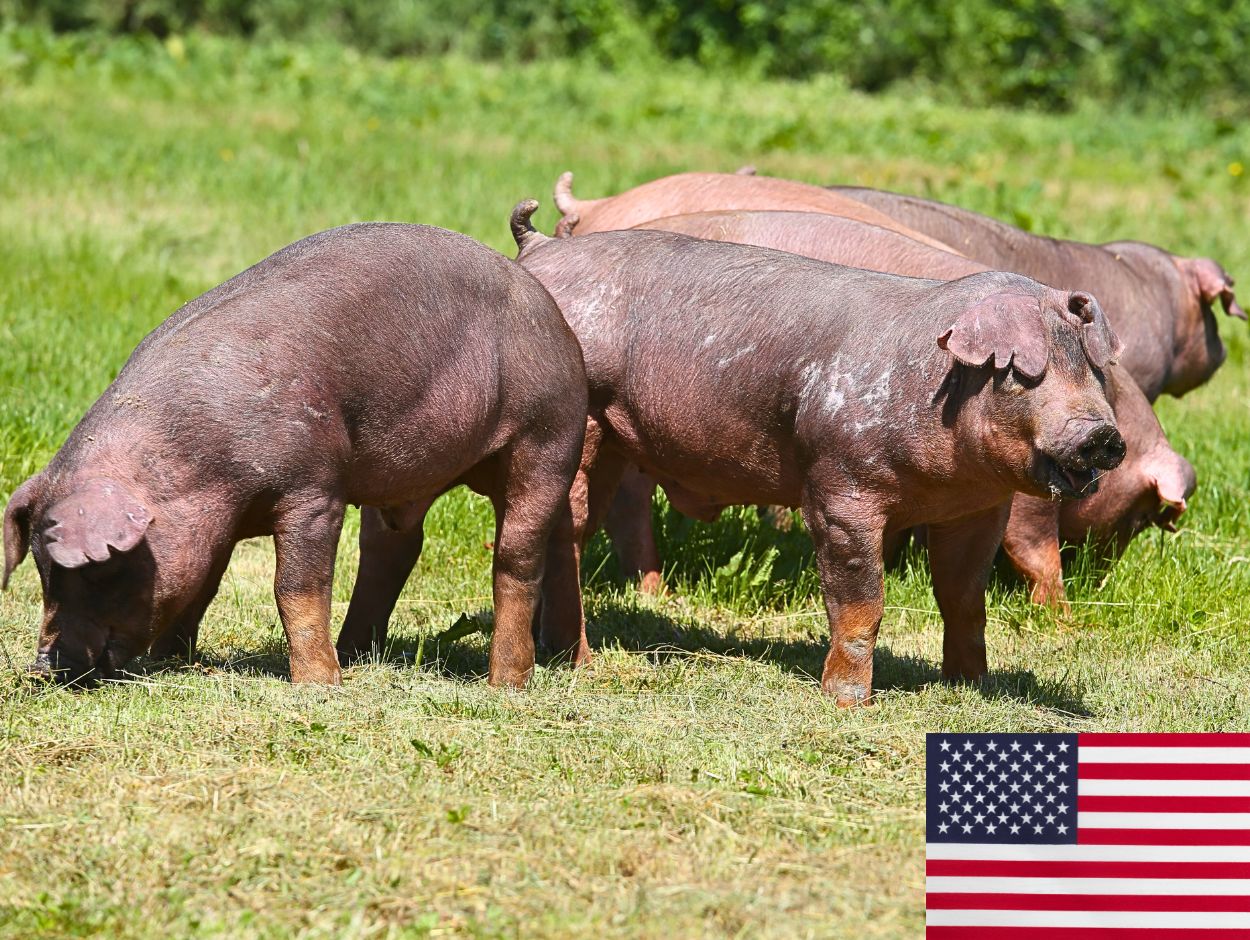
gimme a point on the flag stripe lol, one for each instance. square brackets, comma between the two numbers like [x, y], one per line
[1095, 787]
[1060, 919]
[1163, 837]
[1218, 739]
[1129, 886]
[1078, 933]
[1163, 821]
[1016, 868]
[1163, 804]
[1164, 755]
[1139, 771]
[1090, 902]
[1090, 853]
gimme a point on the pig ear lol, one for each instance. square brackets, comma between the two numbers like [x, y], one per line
[17, 526]
[1174, 482]
[99, 516]
[1213, 282]
[1101, 343]
[1004, 328]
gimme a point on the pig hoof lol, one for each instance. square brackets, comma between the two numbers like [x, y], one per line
[653, 583]
[847, 694]
[323, 675]
[509, 678]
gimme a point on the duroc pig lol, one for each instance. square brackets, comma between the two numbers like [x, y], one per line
[1151, 486]
[1159, 303]
[742, 375]
[374, 364]
[702, 192]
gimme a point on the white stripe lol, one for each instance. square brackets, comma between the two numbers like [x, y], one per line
[1088, 853]
[1229, 887]
[1163, 820]
[1164, 755]
[1057, 919]
[1163, 787]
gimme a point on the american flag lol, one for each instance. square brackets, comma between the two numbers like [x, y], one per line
[1075, 836]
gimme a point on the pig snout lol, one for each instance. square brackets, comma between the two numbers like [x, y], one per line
[1082, 452]
[63, 666]
[1102, 448]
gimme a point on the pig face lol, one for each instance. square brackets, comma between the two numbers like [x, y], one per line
[1034, 369]
[1198, 348]
[99, 567]
[1153, 491]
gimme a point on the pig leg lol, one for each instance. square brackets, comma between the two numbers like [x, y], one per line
[563, 622]
[178, 642]
[628, 522]
[960, 555]
[531, 512]
[387, 557]
[307, 539]
[848, 558]
[1032, 543]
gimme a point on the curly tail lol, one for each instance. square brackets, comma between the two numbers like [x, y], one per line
[564, 228]
[523, 232]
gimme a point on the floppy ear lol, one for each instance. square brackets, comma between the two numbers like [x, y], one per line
[100, 515]
[1101, 343]
[1174, 481]
[1006, 328]
[1213, 281]
[17, 527]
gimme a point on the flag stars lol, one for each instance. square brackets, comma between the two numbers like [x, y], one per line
[991, 828]
[967, 827]
[1063, 747]
[943, 828]
[1015, 746]
[946, 745]
[1063, 830]
[1039, 746]
[1015, 829]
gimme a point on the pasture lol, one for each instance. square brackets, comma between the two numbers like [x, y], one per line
[692, 782]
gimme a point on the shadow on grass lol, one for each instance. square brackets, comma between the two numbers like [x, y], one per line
[658, 635]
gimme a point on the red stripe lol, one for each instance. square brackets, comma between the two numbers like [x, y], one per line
[1084, 902]
[1087, 771]
[1135, 739]
[975, 868]
[1081, 933]
[1163, 804]
[1088, 836]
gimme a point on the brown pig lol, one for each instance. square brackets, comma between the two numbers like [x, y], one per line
[374, 364]
[702, 192]
[1162, 305]
[1151, 486]
[742, 375]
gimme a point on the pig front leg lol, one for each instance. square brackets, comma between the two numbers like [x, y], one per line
[178, 641]
[628, 523]
[306, 539]
[960, 555]
[847, 537]
[1032, 543]
[387, 557]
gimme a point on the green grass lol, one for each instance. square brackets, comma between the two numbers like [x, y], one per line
[691, 783]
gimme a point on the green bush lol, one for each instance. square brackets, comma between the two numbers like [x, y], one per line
[1043, 53]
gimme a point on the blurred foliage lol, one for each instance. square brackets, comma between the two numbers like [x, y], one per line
[1041, 53]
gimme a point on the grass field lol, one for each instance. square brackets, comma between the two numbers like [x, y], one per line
[691, 783]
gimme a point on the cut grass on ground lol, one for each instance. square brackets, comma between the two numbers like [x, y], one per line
[693, 782]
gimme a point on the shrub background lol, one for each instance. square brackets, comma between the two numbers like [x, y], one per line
[1037, 53]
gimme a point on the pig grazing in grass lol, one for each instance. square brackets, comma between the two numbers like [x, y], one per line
[1150, 487]
[374, 364]
[1160, 304]
[733, 374]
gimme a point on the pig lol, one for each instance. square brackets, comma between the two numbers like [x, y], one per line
[719, 370]
[1150, 487]
[1159, 303]
[702, 192]
[375, 364]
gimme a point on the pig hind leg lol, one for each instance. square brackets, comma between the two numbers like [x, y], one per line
[387, 557]
[306, 538]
